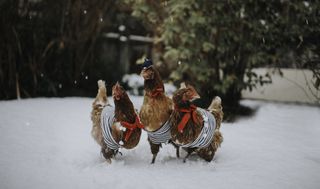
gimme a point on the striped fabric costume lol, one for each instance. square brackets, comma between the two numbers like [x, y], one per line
[107, 120]
[161, 135]
[206, 135]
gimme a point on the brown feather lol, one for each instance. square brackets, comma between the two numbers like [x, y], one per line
[155, 111]
[192, 128]
[182, 99]
[124, 111]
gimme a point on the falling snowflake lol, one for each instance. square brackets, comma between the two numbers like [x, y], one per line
[123, 38]
[122, 28]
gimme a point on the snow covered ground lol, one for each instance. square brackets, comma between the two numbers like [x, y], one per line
[46, 143]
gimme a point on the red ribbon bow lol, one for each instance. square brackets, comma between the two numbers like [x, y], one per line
[131, 127]
[189, 112]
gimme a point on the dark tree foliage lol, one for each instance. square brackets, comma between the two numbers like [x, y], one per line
[216, 44]
[56, 47]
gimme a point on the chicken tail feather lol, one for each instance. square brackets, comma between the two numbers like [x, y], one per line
[101, 98]
[217, 138]
[216, 109]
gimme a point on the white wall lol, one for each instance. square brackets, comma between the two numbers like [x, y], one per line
[296, 85]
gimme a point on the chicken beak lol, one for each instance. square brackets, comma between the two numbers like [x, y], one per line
[195, 97]
[144, 74]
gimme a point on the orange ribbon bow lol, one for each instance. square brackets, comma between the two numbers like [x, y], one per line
[131, 127]
[191, 111]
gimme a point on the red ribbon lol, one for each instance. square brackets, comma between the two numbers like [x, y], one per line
[189, 113]
[131, 127]
[158, 91]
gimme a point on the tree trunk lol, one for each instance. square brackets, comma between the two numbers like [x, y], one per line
[18, 87]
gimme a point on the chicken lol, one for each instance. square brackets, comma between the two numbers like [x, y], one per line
[156, 109]
[195, 129]
[114, 127]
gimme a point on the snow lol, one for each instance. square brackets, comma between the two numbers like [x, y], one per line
[46, 143]
[169, 88]
[136, 83]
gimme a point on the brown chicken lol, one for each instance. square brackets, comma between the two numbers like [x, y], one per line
[114, 127]
[156, 109]
[195, 129]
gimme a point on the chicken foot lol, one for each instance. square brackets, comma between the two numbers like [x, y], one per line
[154, 150]
[189, 151]
[107, 154]
[177, 148]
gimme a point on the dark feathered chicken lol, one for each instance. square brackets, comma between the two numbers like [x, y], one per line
[186, 121]
[156, 110]
[196, 130]
[114, 127]
[125, 115]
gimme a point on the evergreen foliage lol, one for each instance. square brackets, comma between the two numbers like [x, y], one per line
[216, 44]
